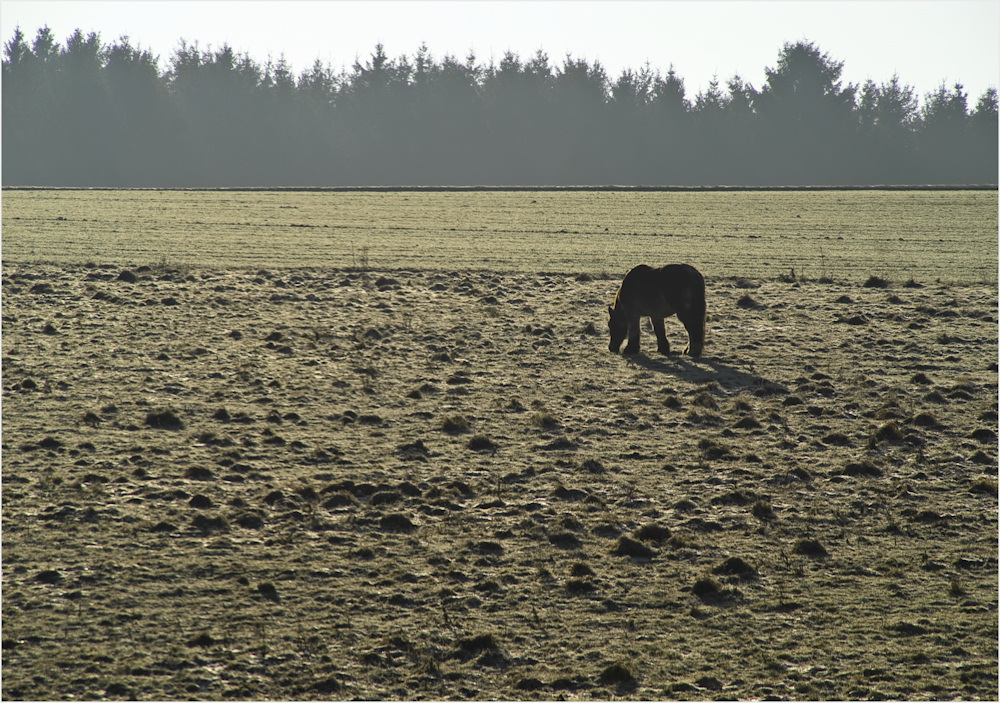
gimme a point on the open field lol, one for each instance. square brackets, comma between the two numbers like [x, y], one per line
[844, 234]
[255, 478]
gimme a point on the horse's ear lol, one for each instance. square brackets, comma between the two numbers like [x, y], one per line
[610, 311]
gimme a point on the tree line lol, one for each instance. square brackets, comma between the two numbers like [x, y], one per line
[86, 113]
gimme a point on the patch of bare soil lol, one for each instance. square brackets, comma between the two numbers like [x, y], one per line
[316, 484]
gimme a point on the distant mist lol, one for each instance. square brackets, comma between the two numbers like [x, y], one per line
[90, 114]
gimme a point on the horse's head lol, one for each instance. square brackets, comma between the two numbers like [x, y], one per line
[617, 326]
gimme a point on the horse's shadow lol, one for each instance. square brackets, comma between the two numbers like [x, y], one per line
[706, 369]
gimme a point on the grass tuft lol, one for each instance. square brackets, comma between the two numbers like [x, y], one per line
[455, 424]
[889, 432]
[544, 421]
[618, 674]
[482, 443]
[164, 420]
[876, 282]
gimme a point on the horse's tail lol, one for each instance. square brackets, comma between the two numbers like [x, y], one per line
[695, 317]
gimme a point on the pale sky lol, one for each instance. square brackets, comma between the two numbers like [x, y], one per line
[924, 41]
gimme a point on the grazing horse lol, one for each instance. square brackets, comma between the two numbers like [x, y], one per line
[656, 293]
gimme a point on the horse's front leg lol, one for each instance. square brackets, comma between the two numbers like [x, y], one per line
[662, 345]
[634, 333]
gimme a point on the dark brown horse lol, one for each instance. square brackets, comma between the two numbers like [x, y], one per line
[657, 293]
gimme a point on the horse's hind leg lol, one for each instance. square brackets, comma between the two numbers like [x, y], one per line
[696, 334]
[662, 345]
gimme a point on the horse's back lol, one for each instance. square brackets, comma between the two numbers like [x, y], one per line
[659, 292]
[682, 282]
[680, 275]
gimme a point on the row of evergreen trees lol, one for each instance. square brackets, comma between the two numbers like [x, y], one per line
[92, 114]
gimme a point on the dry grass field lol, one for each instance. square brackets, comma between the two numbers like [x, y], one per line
[232, 471]
[843, 234]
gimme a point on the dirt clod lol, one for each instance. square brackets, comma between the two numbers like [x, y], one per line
[164, 420]
[811, 548]
[49, 576]
[628, 547]
[618, 674]
[268, 592]
[735, 566]
[397, 522]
